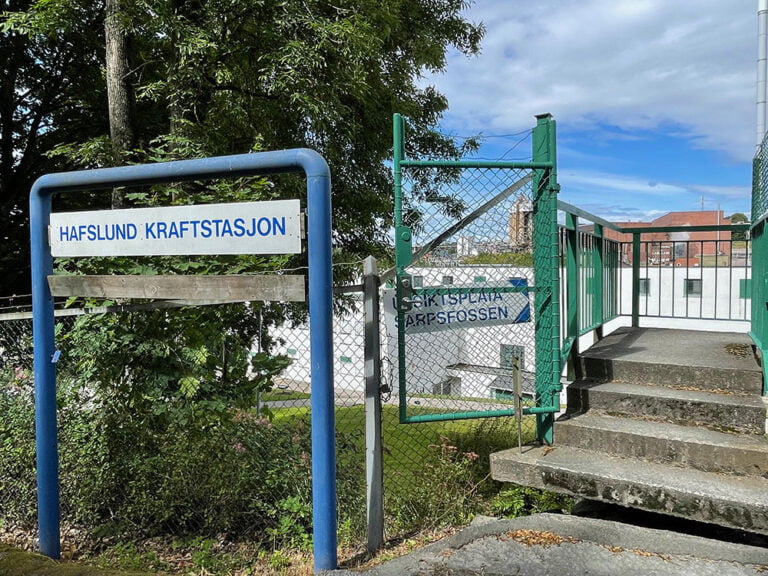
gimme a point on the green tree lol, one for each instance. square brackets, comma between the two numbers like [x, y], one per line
[230, 76]
[738, 218]
[50, 92]
[223, 77]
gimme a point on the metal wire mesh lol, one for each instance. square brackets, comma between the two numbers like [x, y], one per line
[760, 182]
[472, 321]
[198, 478]
[136, 464]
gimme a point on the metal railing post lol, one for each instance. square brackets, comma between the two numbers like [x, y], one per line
[572, 286]
[374, 475]
[546, 277]
[597, 267]
[635, 279]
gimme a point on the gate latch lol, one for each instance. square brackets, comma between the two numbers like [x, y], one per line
[406, 293]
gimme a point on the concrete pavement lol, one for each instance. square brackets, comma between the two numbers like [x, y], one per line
[565, 545]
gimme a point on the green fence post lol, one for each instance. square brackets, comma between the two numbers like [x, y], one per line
[599, 288]
[572, 287]
[635, 279]
[546, 276]
[402, 247]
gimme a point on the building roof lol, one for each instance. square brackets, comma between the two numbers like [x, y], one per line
[692, 218]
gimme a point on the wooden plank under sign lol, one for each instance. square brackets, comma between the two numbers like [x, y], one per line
[288, 288]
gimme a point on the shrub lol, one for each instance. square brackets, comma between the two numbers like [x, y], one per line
[522, 501]
[17, 451]
[243, 478]
[444, 491]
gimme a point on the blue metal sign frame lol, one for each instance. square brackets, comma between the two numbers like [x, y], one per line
[318, 178]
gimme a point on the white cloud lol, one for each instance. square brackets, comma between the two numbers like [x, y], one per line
[634, 64]
[613, 183]
[621, 197]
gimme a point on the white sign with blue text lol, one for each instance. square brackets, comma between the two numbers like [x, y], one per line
[486, 306]
[272, 227]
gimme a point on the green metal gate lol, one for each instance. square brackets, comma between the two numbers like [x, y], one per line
[476, 255]
[759, 237]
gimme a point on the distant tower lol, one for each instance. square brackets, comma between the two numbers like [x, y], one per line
[464, 246]
[521, 223]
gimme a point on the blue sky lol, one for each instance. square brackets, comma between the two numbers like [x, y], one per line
[654, 99]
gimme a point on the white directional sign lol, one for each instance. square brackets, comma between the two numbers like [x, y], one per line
[244, 228]
[476, 309]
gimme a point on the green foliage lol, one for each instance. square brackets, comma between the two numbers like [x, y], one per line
[738, 218]
[17, 449]
[128, 556]
[151, 370]
[522, 501]
[244, 478]
[293, 527]
[226, 77]
[521, 259]
[53, 91]
[445, 491]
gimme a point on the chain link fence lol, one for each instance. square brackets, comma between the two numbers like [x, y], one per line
[469, 334]
[140, 461]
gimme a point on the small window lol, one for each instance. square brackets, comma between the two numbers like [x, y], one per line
[644, 287]
[418, 281]
[500, 394]
[692, 287]
[480, 279]
[447, 280]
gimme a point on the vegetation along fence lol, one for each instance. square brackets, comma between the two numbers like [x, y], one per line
[226, 456]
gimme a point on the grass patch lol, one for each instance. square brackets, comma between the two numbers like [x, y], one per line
[15, 562]
[408, 446]
[275, 395]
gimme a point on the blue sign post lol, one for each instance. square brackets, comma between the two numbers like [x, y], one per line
[320, 312]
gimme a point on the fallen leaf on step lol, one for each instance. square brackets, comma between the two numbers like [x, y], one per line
[537, 538]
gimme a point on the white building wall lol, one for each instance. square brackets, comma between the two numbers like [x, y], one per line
[430, 354]
[667, 295]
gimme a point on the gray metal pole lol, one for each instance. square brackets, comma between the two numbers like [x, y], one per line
[374, 475]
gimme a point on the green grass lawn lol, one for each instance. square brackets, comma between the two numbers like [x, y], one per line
[274, 395]
[407, 447]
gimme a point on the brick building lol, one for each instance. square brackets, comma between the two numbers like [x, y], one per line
[679, 248]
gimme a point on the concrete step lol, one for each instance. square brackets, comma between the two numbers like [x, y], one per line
[693, 447]
[704, 360]
[725, 412]
[735, 501]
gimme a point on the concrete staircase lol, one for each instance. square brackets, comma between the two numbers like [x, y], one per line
[669, 421]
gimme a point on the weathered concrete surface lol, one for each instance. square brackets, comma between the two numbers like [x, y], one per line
[737, 412]
[707, 360]
[548, 544]
[736, 501]
[670, 421]
[694, 447]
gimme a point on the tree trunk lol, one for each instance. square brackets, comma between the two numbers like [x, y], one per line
[120, 93]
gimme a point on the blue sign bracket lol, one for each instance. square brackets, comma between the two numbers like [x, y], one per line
[318, 179]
